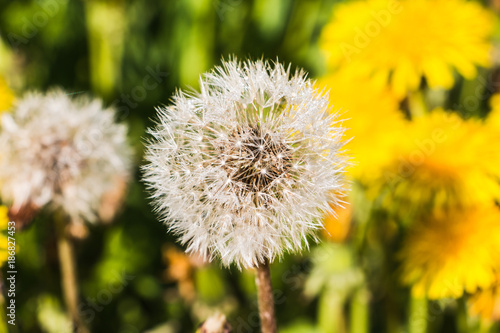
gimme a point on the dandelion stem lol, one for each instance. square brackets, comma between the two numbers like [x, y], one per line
[266, 300]
[330, 312]
[68, 273]
[359, 320]
[418, 315]
[485, 326]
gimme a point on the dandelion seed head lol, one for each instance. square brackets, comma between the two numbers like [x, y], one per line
[61, 151]
[268, 163]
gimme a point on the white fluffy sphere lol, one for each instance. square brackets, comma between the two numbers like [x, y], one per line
[61, 151]
[244, 169]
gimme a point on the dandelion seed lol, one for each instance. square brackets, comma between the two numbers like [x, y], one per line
[61, 152]
[270, 161]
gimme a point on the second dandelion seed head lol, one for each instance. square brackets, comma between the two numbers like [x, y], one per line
[62, 152]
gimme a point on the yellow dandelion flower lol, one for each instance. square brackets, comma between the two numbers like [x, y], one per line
[444, 257]
[486, 303]
[4, 221]
[494, 116]
[338, 224]
[372, 119]
[179, 269]
[399, 42]
[6, 96]
[444, 162]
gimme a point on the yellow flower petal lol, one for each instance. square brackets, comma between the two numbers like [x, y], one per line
[409, 39]
[465, 260]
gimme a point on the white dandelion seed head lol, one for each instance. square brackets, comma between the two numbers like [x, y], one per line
[61, 152]
[245, 169]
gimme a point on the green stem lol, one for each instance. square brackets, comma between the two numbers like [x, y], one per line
[330, 313]
[359, 320]
[418, 315]
[484, 326]
[68, 273]
[462, 318]
[106, 22]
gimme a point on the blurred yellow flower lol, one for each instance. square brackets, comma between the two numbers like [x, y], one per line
[338, 224]
[181, 268]
[397, 42]
[486, 303]
[443, 163]
[6, 96]
[446, 256]
[4, 222]
[372, 120]
[494, 116]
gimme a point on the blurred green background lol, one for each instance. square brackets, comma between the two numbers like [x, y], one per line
[133, 276]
